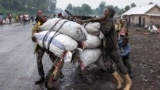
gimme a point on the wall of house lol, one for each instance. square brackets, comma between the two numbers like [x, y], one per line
[133, 19]
[145, 20]
[155, 20]
[154, 10]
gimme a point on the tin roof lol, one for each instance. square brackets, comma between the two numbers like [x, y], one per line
[139, 10]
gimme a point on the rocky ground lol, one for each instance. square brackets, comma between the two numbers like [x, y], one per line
[145, 54]
[145, 48]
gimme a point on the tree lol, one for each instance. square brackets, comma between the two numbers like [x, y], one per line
[51, 6]
[127, 8]
[150, 3]
[77, 11]
[95, 12]
[30, 6]
[117, 10]
[133, 5]
[101, 7]
[86, 9]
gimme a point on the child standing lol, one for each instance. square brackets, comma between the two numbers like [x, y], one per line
[125, 53]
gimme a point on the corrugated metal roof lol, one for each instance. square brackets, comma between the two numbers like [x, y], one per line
[139, 10]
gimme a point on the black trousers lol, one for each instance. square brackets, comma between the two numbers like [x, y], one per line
[127, 62]
[113, 56]
[39, 55]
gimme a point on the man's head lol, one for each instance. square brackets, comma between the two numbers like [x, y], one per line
[122, 21]
[125, 40]
[109, 12]
[39, 11]
[42, 18]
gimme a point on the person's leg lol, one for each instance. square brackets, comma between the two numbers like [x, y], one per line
[117, 77]
[34, 29]
[75, 56]
[115, 55]
[119, 80]
[129, 65]
[39, 55]
[52, 57]
[112, 70]
[124, 58]
[101, 63]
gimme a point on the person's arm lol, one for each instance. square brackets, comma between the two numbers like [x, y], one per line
[35, 29]
[97, 19]
[126, 50]
[119, 42]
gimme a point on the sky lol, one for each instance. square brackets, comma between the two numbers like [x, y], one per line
[95, 3]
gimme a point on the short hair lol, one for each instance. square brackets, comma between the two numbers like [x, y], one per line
[125, 39]
[112, 11]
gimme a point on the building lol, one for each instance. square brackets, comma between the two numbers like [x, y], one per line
[143, 15]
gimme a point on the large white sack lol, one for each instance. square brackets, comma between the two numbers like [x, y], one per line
[89, 56]
[92, 41]
[59, 44]
[70, 28]
[92, 28]
[101, 35]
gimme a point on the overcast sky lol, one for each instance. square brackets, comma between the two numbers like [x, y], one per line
[95, 3]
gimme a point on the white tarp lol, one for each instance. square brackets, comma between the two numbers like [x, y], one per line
[153, 29]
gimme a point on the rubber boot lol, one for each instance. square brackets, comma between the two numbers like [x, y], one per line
[119, 80]
[128, 82]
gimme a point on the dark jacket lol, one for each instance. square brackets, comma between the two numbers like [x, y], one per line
[108, 29]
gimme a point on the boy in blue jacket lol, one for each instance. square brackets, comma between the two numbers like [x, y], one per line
[125, 53]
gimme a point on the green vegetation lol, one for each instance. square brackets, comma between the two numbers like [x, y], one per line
[85, 9]
[49, 6]
[27, 6]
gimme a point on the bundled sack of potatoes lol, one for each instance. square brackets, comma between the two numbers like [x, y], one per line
[93, 28]
[57, 43]
[92, 41]
[94, 35]
[88, 56]
[64, 26]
